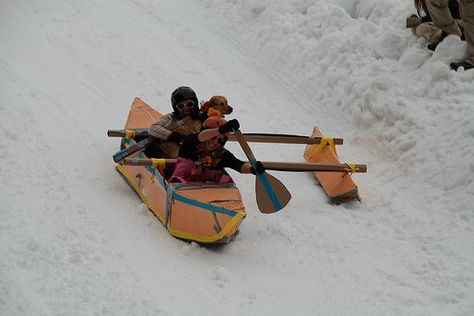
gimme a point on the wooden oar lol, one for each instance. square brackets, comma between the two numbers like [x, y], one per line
[129, 133]
[305, 167]
[149, 162]
[249, 137]
[271, 194]
[269, 165]
[283, 139]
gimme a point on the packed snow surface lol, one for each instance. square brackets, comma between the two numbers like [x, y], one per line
[76, 240]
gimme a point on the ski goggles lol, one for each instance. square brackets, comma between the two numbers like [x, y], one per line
[188, 104]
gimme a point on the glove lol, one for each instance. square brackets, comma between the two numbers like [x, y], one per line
[176, 137]
[433, 46]
[259, 168]
[413, 21]
[230, 126]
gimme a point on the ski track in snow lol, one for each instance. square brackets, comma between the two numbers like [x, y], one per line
[76, 240]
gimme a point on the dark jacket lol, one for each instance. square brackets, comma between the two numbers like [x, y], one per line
[221, 158]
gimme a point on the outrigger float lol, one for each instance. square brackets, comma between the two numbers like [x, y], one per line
[338, 186]
[212, 213]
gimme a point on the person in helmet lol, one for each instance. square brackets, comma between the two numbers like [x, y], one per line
[171, 128]
[202, 157]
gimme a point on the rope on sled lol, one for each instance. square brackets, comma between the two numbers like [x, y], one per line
[158, 163]
[325, 141]
[129, 133]
[351, 168]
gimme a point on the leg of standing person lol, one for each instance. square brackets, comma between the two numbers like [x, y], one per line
[467, 16]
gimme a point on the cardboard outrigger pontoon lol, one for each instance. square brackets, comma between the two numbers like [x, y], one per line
[339, 186]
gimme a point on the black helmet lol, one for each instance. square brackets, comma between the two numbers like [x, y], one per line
[182, 94]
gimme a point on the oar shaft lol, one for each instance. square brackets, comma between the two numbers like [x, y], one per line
[147, 161]
[283, 139]
[302, 167]
[269, 165]
[127, 132]
[250, 137]
[245, 147]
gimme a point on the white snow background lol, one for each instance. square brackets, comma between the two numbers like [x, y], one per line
[76, 240]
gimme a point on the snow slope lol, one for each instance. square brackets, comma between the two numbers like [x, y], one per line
[76, 240]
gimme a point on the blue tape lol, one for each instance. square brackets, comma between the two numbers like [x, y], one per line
[276, 203]
[271, 194]
[121, 154]
[182, 198]
[206, 206]
[158, 176]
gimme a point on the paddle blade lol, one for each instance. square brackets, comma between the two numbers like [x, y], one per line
[120, 155]
[124, 153]
[271, 194]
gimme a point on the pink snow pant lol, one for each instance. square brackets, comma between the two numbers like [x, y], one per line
[187, 171]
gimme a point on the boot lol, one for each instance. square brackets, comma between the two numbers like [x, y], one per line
[465, 65]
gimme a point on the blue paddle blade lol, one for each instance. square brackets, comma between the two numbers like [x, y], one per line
[124, 153]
